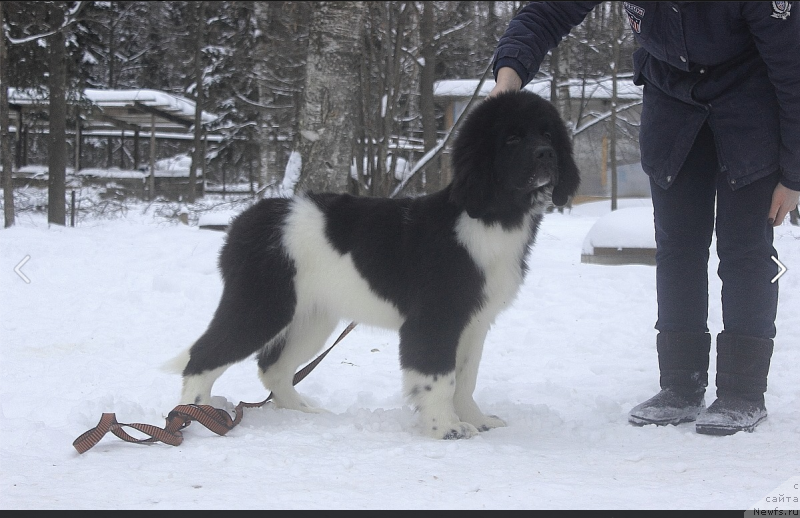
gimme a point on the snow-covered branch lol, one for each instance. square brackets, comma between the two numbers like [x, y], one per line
[70, 17]
[603, 116]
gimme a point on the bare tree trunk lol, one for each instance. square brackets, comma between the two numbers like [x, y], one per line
[491, 25]
[112, 83]
[393, 51]
[389, 71]
[559, 94]
[197, 151]
[5, 138]
[57, 148]
[279, 65]
[427, 28]
[617, 29]
[326, 122]
[369, 91]
[267, 175]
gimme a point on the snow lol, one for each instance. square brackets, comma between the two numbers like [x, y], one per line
[624, 228]
[402, 168]
[157, 98]
[113, 172]
[111, 301]
[221, 218]
[175, 166]
[171, 167]
[310, 135]
[291, 174]
[177, 105]
[592, 90]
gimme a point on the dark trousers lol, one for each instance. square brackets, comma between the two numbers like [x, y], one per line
[684, 225]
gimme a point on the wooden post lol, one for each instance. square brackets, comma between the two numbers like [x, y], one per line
[78, 136]
[136, 149]
[617, 31]
[223, 181]
[152, 157]
[18, 151]
[203, 164]
[604, 160]
[72, 211]
[122, 150]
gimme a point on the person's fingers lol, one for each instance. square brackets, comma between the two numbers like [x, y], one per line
[784, 200]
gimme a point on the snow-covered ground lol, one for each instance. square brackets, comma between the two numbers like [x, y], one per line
[110, 301]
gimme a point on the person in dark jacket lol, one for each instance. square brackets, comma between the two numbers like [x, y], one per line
[720, 141]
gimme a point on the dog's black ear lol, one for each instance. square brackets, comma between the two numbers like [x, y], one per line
[473, 157]
[568, 181]
[569, 177]
[471, 187]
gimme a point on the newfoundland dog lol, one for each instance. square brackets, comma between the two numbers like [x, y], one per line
[438, 268]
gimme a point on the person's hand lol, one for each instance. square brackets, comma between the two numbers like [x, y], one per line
[507, 80]
[784, 200]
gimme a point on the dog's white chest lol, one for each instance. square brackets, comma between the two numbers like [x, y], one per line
[499, 253]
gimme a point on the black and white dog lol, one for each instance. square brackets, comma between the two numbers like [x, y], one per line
[437, 268]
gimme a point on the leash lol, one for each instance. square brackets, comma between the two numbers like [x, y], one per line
[215, 419]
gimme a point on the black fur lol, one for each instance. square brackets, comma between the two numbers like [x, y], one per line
[527, 137]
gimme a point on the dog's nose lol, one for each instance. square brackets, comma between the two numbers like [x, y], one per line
[544, 153]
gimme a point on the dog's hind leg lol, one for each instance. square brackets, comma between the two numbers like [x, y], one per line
[278, 363]
[237, 330]
[468, 358]
[197, 387]
[258, 299]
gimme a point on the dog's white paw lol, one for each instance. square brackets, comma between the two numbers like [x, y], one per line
[313, 409]
[450, 431]
[488, 422]
[294, 401]
[468, 411]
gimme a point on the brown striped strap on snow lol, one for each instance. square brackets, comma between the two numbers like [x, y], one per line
[215, 419]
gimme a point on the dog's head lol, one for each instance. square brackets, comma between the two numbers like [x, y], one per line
[512, 154]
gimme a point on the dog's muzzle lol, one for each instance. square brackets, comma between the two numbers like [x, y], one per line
[545, 167]
[538, 181]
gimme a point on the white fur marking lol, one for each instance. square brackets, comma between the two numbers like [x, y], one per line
[178, 363]
[197, 387]
[304, 337]
[498, 252]
[327, 280]
[433, 398]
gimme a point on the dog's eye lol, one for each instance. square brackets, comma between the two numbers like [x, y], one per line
[547, 135]
[512, 140]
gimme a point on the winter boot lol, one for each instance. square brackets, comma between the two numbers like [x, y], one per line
[742, 368]
[683, 362]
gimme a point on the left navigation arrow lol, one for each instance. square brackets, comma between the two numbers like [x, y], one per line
[18, 269]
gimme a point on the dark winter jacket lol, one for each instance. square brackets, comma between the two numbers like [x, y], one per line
[735, 65]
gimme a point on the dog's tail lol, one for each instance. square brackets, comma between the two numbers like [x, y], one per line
[177, 364]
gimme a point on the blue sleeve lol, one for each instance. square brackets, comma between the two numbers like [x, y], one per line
[777, 37]
[533, 32]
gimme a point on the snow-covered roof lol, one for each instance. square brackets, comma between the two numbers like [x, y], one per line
[600, 89]
[129, 110]
[168, 103]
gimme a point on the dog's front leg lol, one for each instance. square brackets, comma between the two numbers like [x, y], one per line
[428, 344]
[432, 396]
[468, 358]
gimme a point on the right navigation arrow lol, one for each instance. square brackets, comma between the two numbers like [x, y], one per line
[781, 270]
